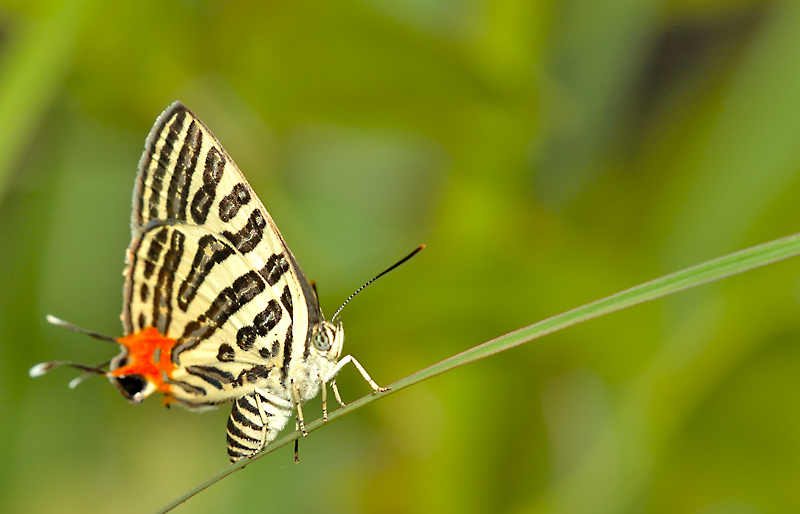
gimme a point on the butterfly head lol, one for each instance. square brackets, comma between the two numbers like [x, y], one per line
[327, 339]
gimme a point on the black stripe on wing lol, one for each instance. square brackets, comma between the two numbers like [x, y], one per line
[178, 192]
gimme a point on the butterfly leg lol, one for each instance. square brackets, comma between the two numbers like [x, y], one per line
[324, 402]
[296, 441]
[263, 414]
[336, 392]
[375, 387]
[299, 419]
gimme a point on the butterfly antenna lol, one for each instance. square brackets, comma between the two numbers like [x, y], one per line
[376, 277]
[74, 328]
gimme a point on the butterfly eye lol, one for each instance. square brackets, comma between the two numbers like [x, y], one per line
[321, 341]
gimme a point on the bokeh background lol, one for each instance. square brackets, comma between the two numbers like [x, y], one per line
[548, 152]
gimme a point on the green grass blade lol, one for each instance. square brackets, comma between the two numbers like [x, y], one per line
[716, 269]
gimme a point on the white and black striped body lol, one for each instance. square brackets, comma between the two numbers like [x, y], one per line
[208, 269]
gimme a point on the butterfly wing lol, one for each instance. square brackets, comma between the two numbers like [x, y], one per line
[208, 268]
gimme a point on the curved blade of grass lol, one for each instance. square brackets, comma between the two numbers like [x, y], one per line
[716, 269]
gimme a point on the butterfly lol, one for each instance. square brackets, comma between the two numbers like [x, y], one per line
[216, 308]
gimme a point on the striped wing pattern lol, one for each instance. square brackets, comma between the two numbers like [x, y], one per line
[208, 269]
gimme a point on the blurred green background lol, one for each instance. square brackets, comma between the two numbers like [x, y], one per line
[549, 153]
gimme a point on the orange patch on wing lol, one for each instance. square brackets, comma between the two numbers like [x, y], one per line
[149, 356]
